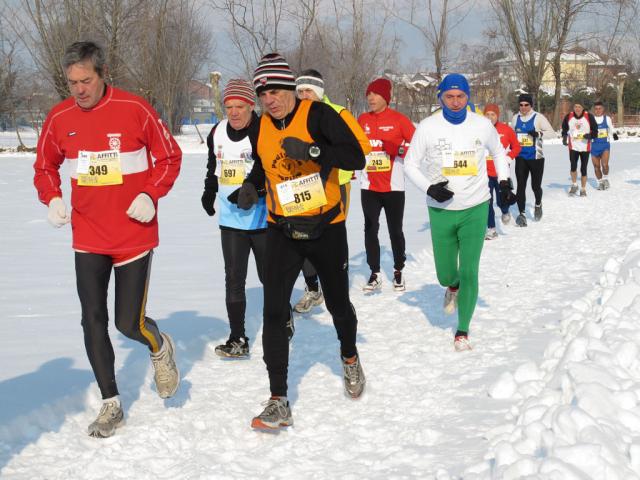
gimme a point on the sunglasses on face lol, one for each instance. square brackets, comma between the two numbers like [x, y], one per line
[524, 104]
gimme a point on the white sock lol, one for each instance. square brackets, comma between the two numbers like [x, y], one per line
[115, 399]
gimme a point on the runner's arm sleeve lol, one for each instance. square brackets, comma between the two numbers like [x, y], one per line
[408, 129]
[514, 145]
[593, 127]
[543, 125]
[498, 153]
[47, 165]
[165, 152]
[338, 145]
[257, 176]
[416, 155]
[565, 126]
[211, 179]
[355, 127]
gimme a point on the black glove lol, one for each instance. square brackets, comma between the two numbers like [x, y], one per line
[533, 134]
[506, 192]
[615, 136]
[245, 197]
[439, 192]
[208, 197]
[296, 148]
[565, 140]
[587, 136]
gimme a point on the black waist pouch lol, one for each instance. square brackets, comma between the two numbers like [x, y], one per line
[306, 228]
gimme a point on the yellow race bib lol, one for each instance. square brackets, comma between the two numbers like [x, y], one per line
[459, 163]
[378, 162]
[603, 132]
[97, 169]
[301, 194]
[232, 172]
[525, 140]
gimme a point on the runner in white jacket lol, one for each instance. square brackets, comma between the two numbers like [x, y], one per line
[452, 146]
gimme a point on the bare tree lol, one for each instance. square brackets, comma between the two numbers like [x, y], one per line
[568, 12]
[303, 15]
[255, 28]
[171, 48]
[8, 71]
[359, 48]
[434, 20]
[527, 28]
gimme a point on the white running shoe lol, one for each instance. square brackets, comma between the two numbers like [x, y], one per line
[461, 343]
[573, 190]
[374, 283]
[276, 414]
[398, 281]
[110, 417]
[583, 192]
[491, 234]
[506, 218]
[450, 301]
[166, 374]
[309, 300]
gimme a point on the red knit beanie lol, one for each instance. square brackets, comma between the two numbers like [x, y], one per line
[492, 107]
[382, 87]
[239, 89]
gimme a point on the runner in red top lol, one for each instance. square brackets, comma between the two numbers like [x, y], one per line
[510, 142]
[121, 161]
[382, 180]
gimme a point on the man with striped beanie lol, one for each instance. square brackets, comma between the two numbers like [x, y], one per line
[299, 147]
[241, 231]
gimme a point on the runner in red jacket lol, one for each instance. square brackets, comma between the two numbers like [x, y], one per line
[510, 142]
[382, 180]
[121, 161]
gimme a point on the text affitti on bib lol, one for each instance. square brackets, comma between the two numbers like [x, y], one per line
[459, 163]
[232, 172]
[97, 169]
[301, 194]
[525, 140]
[378, 162]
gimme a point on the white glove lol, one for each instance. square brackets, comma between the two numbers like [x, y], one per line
[142, 208]
[58, 215]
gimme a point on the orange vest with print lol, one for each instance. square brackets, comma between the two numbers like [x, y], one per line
[279, 168]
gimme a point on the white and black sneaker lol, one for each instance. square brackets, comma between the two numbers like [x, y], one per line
[521, 220]
[491, 234]
[276, 414]
[506, 218]
[166, 373]
[583, 192]
[234, 348]
[309, 300]
[573, 190]
[605, 182]
[354, 379]
[450, 302]
[601, 185]
[537, 212]
[110, 417]
[374, 283]
[398, 281]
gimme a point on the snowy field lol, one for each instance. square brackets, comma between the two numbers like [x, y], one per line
[550, 391]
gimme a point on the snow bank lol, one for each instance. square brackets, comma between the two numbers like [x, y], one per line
[578, 415]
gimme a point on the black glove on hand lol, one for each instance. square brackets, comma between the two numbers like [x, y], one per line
[506, 193]
[533, 134]
[565, 140]
[245, 197]
[296, 148]
[439, 192]
[208, 197]
[587, 136]
[615, 136]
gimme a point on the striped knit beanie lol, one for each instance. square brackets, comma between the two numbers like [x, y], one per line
[238, 89]
[273, 72]
[311, 79]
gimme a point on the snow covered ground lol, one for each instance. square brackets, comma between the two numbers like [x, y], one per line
[550, 391]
